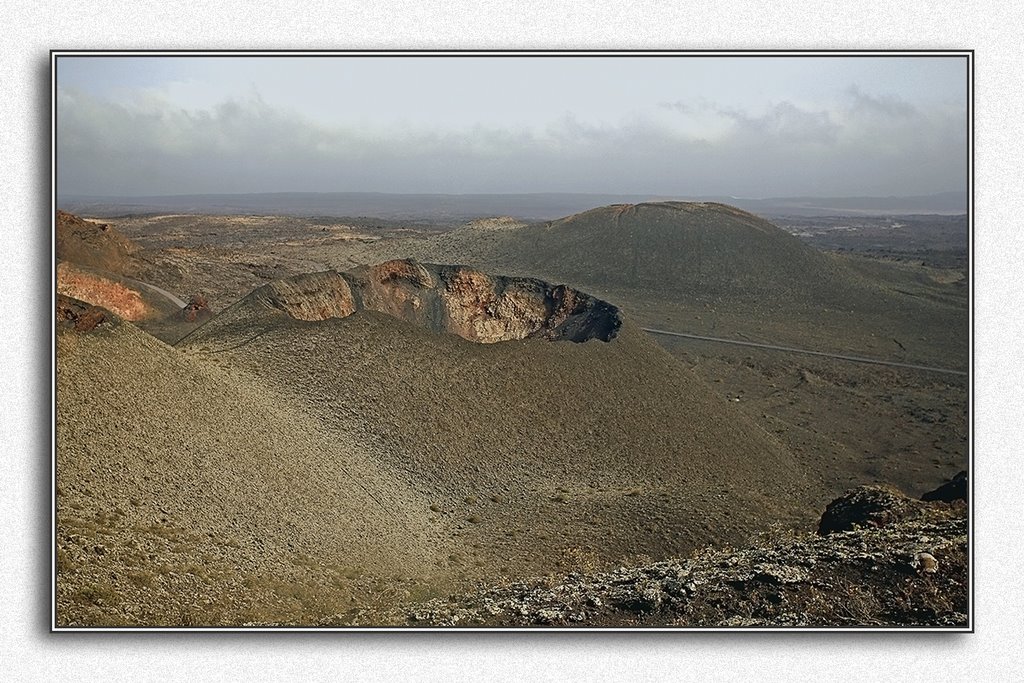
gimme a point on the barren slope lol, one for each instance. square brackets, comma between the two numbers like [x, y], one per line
[96, 245]
[529, 450]
[666, 245]
[190, 493]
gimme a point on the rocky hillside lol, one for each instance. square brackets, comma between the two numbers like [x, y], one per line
[129, 300]
[908, 571]
[99, 265]
[303, 451]
[95, 245]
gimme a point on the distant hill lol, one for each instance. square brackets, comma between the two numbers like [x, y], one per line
[95, 245]
[444, 208]
[695, 247]
[690, 245]
[705, 256]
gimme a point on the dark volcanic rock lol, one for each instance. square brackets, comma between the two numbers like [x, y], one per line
[859, 578]
[868, 506]
[954, 489]
[84, 317]
[197, 309]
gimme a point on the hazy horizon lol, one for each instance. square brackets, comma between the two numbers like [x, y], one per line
[510, 194]
[748, 127]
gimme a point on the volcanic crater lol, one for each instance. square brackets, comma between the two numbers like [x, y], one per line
[459, 300]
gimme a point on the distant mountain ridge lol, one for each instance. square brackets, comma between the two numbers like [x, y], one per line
[449, 207]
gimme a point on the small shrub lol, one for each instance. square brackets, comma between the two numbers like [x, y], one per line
[63, 562]
[102, 593]
[142, 578]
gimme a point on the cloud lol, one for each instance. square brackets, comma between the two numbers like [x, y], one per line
[679, 106]
[788, 123]
[781, 121]
[890, 106]
[867, 144]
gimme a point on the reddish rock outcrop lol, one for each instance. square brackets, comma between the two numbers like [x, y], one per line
[485, 309]
[104, 291]
[82, 316]
[197, 309]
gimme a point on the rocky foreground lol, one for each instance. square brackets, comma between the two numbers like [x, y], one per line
[880, 559]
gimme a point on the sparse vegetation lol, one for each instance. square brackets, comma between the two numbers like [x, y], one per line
[268, 471]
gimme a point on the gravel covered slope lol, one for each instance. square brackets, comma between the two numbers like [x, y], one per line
[188, 493]
[531, 453]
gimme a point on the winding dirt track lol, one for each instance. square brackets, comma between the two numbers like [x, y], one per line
[158, 290]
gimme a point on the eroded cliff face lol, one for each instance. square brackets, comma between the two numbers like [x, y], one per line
[475, 305]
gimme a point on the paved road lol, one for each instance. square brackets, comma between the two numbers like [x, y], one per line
[855, 359]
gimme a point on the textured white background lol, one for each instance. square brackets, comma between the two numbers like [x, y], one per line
[30, 30]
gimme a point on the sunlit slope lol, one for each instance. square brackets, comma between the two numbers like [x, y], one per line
[182, 483]
[529, 450]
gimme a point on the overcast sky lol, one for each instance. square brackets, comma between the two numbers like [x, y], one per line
[684, 126]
